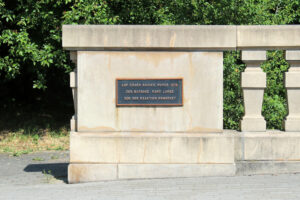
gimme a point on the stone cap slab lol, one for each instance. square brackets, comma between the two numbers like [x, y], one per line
[180, 37]
[120, 37]
[268, 37]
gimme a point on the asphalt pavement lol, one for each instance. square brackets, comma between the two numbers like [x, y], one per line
[43, 176]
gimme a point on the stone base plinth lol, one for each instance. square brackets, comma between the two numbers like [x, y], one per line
[292, 124]
[119, 155]
[244, 168]
[99, 172]
[151, 148]
[267, 146]
[113, 156]
[253, 124]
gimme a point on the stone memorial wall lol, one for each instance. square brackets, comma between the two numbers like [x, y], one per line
[149, 102]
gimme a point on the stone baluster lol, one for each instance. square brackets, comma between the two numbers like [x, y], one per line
[253, 84]
[292, 84]
[73, 85]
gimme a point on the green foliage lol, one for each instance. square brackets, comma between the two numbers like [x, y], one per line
[233, 100]
[89, 12]
[275, 105]
[31, 53]
[30, 39]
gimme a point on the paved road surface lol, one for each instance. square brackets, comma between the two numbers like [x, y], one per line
[42, 176]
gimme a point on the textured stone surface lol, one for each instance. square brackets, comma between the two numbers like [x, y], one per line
[292, 79]
[268, 146]
[292, 84]
[151, 148]
[253, 84]
[140, 171]
[80, 173]
[292, 55]
[202, 74]
[98, 172]
[268, 37]
[266, 167]
[254, 55]
[99, 37]
[292, 124]
[255, 123]
[256, 79]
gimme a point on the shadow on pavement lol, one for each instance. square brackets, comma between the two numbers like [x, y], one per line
[57, 170]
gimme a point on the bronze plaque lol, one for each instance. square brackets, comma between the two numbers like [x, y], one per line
[149, 92]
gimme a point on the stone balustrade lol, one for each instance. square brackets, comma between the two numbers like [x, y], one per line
[253, 84]
[292, 84]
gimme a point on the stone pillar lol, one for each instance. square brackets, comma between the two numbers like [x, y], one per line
[292, 84]
[253, 84]
[73, 85]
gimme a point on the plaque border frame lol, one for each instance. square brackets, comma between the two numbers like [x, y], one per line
[149, 105]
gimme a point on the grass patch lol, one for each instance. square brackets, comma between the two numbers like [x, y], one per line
[54, 157]
[35, 124]
[48, 176]
[18, 143]
[38, 159]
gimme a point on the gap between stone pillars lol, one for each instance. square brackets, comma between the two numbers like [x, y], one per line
[253, 85]
[292, 84]
[73, 85]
